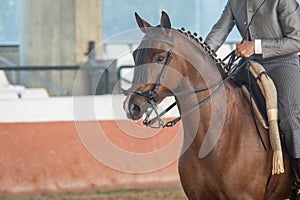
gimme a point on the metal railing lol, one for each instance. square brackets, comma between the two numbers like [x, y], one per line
[19, 73]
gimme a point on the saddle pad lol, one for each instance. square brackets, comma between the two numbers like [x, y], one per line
[252, 90]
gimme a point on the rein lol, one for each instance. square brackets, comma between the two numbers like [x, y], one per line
[217, 85]
[152, 96]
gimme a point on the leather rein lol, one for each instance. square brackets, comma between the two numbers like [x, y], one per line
[152, 96]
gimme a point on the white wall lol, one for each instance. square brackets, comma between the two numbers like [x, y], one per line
[84, 108]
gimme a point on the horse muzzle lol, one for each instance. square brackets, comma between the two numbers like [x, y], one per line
[135, 106]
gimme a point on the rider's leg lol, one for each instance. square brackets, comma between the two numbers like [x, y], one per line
[295, 192]
[287, 81]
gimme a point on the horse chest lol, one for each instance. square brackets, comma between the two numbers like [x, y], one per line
[208, 179]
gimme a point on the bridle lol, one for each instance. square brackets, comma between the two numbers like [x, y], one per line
[152, 96]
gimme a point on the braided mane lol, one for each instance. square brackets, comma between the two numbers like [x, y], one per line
[206, 47]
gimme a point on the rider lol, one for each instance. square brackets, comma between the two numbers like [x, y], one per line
[271, 36]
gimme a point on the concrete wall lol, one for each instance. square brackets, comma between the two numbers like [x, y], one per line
[10, 52]
[57, 33]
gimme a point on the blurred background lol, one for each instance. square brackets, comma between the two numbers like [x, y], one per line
[58, 35]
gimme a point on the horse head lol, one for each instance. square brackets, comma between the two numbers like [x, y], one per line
[155, 74]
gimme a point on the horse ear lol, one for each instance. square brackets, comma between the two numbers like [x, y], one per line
[142, 23]
[165, 22]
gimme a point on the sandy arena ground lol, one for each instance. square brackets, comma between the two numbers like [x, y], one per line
[151, 194]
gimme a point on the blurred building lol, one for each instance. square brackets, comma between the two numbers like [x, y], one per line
[57, 32]
[49, 33]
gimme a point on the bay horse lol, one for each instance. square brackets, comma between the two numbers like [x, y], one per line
[222, 155]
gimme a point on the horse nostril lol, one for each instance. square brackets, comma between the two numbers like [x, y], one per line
[134, 110]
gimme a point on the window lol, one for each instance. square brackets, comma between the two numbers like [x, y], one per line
[9, 22]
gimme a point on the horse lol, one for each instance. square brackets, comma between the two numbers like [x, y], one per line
[222, 155]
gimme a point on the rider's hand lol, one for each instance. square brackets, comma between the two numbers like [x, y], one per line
[245, 49]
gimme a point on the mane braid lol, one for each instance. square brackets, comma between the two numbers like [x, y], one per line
[206, 47]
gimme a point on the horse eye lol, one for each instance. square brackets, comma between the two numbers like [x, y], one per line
[160, 58]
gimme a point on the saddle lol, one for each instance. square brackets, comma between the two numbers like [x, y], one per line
[261, 93]
[249, 82]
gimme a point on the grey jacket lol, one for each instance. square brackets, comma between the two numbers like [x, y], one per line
[276, 23]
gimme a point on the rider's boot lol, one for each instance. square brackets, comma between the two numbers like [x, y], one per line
[295, 194]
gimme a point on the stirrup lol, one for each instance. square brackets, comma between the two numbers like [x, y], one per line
[298, 194]
[295, 193]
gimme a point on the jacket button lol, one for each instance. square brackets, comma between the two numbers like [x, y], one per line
[245, 23]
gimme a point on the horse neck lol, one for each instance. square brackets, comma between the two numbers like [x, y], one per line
[217, 120]
[213, 116]
[201, 70]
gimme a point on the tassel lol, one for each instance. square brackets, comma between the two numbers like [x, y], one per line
[278, 167]
[272, 113]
